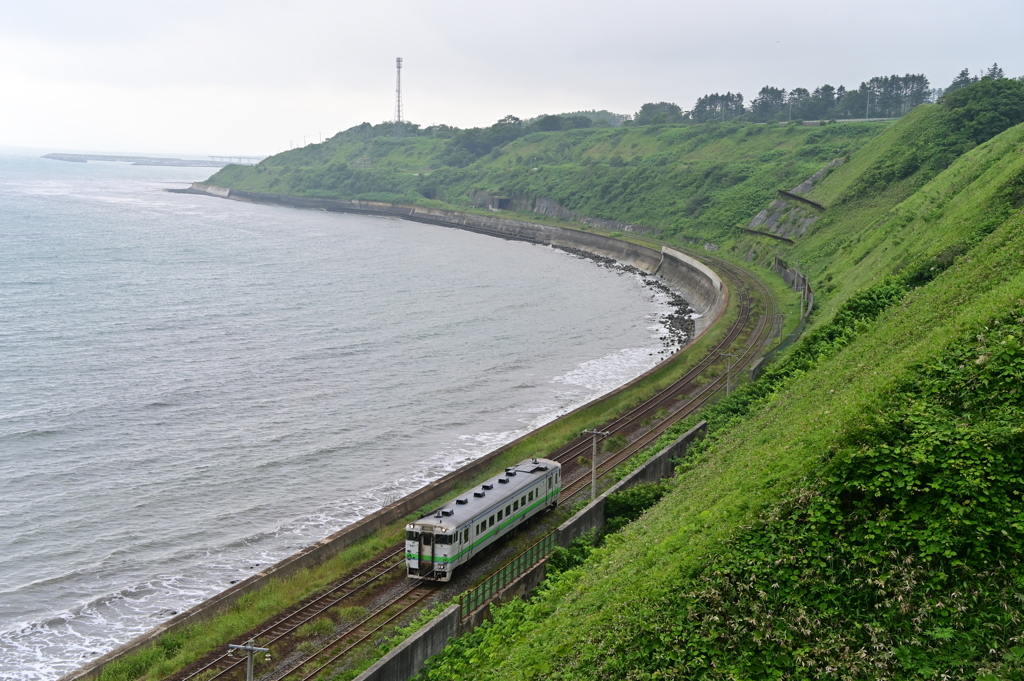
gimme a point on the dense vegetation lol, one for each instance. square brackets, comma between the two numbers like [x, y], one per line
[699, 180]
[856, 515]
[857, 512]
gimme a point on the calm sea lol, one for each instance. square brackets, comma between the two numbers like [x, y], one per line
[193, 388]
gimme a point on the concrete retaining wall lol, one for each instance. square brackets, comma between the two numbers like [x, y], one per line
[658, 467]
[799, 283]
[407, 659]
[591, 518]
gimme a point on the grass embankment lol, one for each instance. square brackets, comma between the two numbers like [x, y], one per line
[177, 650]
[860, 515]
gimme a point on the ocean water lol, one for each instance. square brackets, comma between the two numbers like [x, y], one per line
[193, 388]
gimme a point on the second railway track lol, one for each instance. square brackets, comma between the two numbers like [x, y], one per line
[744, 338]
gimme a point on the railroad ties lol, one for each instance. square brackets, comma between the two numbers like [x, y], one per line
[283, 632]
[641, 426]
[687, 394]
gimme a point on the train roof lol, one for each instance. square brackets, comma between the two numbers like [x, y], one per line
[471, 503]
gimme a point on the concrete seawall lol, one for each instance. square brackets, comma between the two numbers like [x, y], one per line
[702, 288]
[699, 284]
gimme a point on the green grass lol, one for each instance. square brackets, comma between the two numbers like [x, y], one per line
[318, 627]
[800, 542]
[697, 180]
[175, 651]
[860, 518]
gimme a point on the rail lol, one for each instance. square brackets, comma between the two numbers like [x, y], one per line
[473, 599]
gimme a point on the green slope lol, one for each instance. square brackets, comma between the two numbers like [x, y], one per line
[697, 181]
[864, 518]
[856, 514]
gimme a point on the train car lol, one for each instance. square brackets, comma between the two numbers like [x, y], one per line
[465, 526]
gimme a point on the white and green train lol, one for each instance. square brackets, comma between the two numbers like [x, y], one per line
[438, 543]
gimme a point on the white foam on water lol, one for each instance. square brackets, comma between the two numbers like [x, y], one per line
[67, 638]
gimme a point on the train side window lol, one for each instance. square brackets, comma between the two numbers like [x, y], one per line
[515, 505]
[508, 511]
[490, 522]
[500, 515]
[530, 497]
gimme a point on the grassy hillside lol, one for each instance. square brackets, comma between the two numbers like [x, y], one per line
[861, 519]
[858, 512]
[697, 181]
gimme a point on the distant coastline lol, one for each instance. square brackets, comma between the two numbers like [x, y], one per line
[139, 160]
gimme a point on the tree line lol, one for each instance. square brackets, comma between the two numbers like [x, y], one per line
[879, 97]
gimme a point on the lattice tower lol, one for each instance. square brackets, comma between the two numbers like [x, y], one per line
[398, 98]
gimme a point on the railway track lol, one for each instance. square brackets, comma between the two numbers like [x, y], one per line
[226, 666]
[745, 337]
[336, 648]
[687, 394]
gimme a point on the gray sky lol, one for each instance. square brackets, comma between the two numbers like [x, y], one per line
[219, 76]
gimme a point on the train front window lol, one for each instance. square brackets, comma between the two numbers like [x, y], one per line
[427, 539]
[412, 536]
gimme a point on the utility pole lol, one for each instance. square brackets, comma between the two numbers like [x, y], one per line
[728, 372]
[250, 649]
[782, 321]
[593, 461]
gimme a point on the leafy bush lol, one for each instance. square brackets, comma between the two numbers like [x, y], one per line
[624, 507]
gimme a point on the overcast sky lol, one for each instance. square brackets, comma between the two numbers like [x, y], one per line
[252, 77]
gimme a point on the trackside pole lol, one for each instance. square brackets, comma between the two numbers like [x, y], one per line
[250, 648]
[593, 462]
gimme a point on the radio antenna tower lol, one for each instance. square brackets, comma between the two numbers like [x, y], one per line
[398, 98]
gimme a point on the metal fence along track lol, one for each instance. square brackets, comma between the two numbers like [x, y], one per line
[473, 599]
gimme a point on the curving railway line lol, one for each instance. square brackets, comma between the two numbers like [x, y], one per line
[748, 334]
[376, 587]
